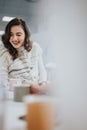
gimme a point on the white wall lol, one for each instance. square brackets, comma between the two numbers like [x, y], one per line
[63, 36]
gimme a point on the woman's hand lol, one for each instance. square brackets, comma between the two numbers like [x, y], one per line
[38, 89]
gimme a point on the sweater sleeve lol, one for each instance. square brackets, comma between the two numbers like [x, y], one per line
[41, 67]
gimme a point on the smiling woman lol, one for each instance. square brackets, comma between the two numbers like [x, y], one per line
[21, 57]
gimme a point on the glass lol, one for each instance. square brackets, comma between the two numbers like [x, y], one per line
[40, 112]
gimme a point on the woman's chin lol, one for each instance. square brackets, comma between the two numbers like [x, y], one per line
[17, 46]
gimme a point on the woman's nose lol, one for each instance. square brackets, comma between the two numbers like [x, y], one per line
[14, 38]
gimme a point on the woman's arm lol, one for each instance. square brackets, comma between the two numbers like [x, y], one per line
[38, 89]
[41, 88]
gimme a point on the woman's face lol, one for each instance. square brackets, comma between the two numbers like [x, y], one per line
[17, 36]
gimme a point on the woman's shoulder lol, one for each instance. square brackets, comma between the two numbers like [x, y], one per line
[5, 57]
[3, 50]
[36, 47]
[35, 44]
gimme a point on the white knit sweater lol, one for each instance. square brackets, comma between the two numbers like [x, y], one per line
[28, 66]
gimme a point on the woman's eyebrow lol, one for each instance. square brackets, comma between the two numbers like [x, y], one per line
[19, 33]
[16, 32]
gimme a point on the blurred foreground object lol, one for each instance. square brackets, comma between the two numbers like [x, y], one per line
[40, 112]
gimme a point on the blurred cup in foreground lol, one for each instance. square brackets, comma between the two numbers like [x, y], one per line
[40, 111]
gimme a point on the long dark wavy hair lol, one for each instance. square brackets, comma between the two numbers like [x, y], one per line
[6, 36]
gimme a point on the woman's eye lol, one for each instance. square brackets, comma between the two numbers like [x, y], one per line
[18, 35]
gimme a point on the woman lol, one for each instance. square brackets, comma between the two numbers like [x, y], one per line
[22, 58]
